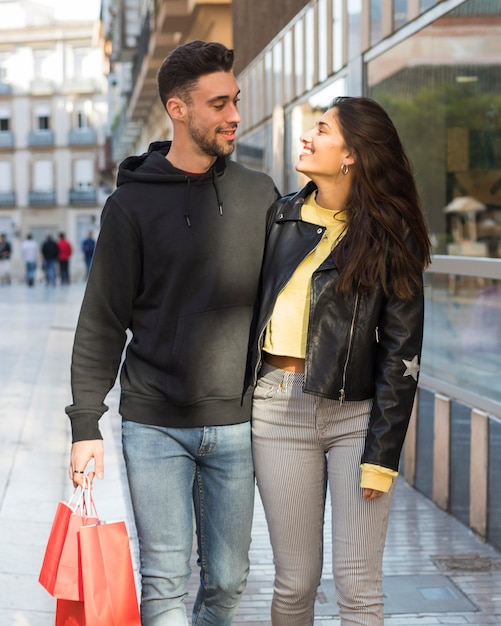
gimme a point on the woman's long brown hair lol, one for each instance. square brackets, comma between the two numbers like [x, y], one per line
[383, 206]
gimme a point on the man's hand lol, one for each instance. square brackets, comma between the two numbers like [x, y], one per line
[81, 453]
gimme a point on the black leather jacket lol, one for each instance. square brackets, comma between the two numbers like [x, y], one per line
[358, 346]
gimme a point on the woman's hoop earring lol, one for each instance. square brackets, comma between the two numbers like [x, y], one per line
[345, 169]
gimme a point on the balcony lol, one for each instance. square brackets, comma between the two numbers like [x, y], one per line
[82, 137]
[7, 198]
[6, 139]
[83, 196]
[41, 138]
[42, 198]
[42, 87]
[80, 84]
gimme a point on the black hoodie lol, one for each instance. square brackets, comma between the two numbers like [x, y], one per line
[176, 264]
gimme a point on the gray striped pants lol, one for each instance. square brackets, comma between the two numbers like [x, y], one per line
[301, 443]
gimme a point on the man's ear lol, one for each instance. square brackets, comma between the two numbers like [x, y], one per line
[176, 108]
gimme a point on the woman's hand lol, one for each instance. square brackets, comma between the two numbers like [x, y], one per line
[371, 494]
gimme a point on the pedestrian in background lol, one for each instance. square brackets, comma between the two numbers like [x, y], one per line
[5, 254]
[65, 251]
[29, 251]
[177, 262]
[88, 245]
[50, 253]
[340, 334]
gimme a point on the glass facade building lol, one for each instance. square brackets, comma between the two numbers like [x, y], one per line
[436, 68]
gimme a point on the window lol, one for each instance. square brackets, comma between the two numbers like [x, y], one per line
[85, 63]
[4, 119]
[43, 176]
[43, 66]
[337, 35]
[376, 21]
[42, 117]
[3, 68]
[399, 13]
[310, 56]
[83, 172]
[5, 176]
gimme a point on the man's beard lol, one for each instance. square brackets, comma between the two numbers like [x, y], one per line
[210, 146]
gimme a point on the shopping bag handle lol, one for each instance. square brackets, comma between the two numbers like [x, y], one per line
[82, 499]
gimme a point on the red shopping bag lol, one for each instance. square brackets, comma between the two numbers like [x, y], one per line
[70, 613]
[109, 588]
[60, 573]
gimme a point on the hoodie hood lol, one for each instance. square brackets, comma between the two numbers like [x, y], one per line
[153, 167]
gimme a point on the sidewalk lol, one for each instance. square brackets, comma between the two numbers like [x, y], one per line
[436, 570]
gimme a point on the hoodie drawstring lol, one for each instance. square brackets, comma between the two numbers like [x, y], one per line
[187, 215]
[187, 201]
[219, 203]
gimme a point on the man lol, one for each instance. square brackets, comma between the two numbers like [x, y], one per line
[50, 253]
[5, 252]
[29, 251]
[88, 245]
[177, 263]
[65, 251]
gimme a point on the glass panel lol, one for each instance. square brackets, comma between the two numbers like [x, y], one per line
[399, 13]
[310, 39]
[462, 338]
[251, 151]
[288, 67]
[337, 35]
[424, 442]
[494, 478]
[442, 88]
[354, 28]
[299, 56]
[278, 74]
[460, 462]
[376, 21]
[322, 40]
[302, 118]
[268, 80]
[426, 4]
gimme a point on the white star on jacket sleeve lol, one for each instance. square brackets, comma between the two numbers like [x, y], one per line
[412, 367]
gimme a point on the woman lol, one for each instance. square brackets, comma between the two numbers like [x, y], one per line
[340, 334]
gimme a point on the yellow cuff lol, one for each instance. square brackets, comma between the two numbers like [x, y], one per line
[376, 477]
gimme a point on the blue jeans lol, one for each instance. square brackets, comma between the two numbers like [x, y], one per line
[173, 473]
[31, 268]
[50, 272]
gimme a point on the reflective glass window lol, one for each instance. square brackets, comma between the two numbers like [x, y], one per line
[323, 52]
[399, 13]
[299, 56]
[309, 42]
[442, 88]
[354, 28]
[278, 74]
[376, 20]
[337, 35]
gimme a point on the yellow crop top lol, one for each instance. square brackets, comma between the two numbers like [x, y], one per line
[286, 332]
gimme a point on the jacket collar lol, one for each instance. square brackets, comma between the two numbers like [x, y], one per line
[290, 206]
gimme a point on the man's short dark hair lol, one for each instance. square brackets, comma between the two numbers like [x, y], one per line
[183, 67]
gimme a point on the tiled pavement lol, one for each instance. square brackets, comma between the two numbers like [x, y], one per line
[436, 570]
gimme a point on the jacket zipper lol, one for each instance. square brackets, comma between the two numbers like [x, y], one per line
[260, 360]
[342, 392]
